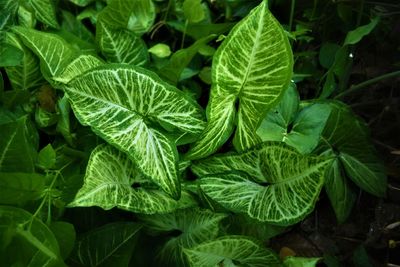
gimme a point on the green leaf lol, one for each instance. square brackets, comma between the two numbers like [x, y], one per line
[25, 75]
[252, 66]
[121, 46]
[45, 11]
[354, 149]
[77, 67]
[65, 234]
[29, 242]
[193, 226]
[282, 169]
[124, 104]
[63, 124]
[327, 54]
[112, 180]
[357, 34]
[10, 56]
[201, 30]
[180, 59]
[81, 3]
[76, 27]
[231, 251]
[300, 262]
[136, 16]
[47, 158]
[8, 14]
[301, 130]
[193, 11]
[339, 191]
[26, 17]
[17, 149]
[18, 188]
[53, 51]
[103, 246]
[160, 50]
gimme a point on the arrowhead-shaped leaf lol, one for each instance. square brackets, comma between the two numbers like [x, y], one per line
[231, 251]
[121, 46]
[282, 169]
[126, 105]
[300, 129]
[194, 226]
[354, 149]
[252, 66]
[112, 180]
[53, 51]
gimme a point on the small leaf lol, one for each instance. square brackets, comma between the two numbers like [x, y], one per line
[193, 226]
[193, 11]
[160, 50]
[112, 180]
[47, 158]
[357, 34]
[18, 188]
[103, 246]
[327, 54]
[300, 262]
[231, 251]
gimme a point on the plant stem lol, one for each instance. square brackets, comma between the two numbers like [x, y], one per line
[359, 86]
[293, 4]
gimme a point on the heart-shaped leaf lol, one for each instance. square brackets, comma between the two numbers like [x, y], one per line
[281, 168]
[126, 106]
[252, 66]
[112, 180]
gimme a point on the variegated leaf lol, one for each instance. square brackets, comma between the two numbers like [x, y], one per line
[126, 105]
[45, 11]
[284, 170]
[121, 46]
[231, 251]
[195, 226]
[112, 180]
[77, 67]
[252, 66]
[27, 75]
[53, 51]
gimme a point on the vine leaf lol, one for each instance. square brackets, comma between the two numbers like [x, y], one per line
[284, 170]
[121, 46]
[193, 225]
[53, 51]
[231, 251]
[112, 180]
[134, 110]
[253, 67]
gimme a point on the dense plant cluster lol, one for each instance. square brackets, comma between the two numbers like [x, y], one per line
[116, 151]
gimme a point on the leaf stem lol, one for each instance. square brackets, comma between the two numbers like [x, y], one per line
[293, 4]
[359, 86]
